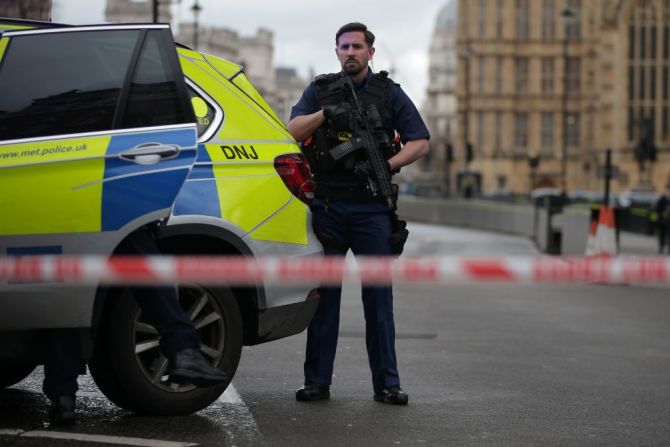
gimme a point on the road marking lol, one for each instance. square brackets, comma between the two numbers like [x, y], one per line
[10, 432]
[230, 396]
[243, 429]
[104, 439]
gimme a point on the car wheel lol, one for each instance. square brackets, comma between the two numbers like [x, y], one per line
[11, 374]
[101, 367]
[138, 370]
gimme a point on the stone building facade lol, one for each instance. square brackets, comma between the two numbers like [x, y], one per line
[432, 174]
[289, 90]
[255, 53]
[133, 11]
[546, 86]
[26, 9]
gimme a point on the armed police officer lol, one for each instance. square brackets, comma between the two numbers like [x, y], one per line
[351, 124]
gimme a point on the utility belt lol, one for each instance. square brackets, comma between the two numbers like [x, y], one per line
[399, 230]
[354, 193]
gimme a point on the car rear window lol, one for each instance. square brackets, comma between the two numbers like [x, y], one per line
[90, 81]
[61, 83]
[154, 98]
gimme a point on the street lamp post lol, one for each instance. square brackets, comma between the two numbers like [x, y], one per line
[196, 8]
[568, 16]
[462, 178]
[155, 5]
[467, 54]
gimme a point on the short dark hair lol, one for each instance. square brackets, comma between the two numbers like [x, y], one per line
[356, 26]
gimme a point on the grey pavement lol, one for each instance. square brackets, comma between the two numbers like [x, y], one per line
[637, 244]
[485, 365]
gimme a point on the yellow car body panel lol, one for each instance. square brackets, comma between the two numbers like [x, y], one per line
[251, 194]
[76, 186]
[226, 68]
[283, 225]
[8, 27]
[3, 44]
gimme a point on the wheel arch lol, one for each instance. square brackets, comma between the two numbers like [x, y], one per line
[200, 239]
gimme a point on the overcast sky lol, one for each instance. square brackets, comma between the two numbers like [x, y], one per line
[304, 30]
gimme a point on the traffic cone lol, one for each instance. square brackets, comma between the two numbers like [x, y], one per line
[591, 239]
[605, 242]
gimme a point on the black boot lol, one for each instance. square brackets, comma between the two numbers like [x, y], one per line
[392, 395]
[62, 411]
[311, 392]
[189, 366]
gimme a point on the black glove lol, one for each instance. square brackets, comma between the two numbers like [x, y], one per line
[338, 116]
[363, 169]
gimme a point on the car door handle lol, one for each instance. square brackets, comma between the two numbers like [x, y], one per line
[150, 153]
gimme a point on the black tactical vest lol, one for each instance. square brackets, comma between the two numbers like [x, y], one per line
[325, 138]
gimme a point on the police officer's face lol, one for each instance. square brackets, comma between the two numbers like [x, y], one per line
[353, 52]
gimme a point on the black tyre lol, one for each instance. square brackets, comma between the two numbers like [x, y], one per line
[133, 373]
[11, 374]
[101, 366]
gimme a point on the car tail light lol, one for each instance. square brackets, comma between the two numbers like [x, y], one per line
[294, 171]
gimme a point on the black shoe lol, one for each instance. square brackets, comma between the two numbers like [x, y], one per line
[392, 395]
[311, 392]
[62, 411]
[189, 366]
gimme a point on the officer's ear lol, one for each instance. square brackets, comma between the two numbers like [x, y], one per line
[372, 52]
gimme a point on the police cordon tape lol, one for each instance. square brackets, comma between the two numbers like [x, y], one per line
[240, 270]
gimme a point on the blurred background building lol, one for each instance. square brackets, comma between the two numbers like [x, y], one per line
[546, 86]
[255, 53]
[432, 174]
[132, 11]
[522, 94]
[25, 9]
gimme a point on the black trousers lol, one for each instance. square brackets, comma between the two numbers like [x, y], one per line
[159, 304]
[663, 237]
[63, 363]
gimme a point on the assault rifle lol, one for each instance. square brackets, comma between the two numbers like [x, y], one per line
[368, 138]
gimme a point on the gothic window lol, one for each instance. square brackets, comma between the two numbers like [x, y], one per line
[547, 132]
[573, 27]
[573, 130]
[480, 74]
[498, 137]
[573, 74]
[521, 130]
[521, 81]
[648, 65]
[482, 18]
[547, 75]
[548, 19]
[481, 126]
[499, 69]
[499, 18]
[522, 15]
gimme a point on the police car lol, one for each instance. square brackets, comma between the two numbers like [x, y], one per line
[105, 129]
